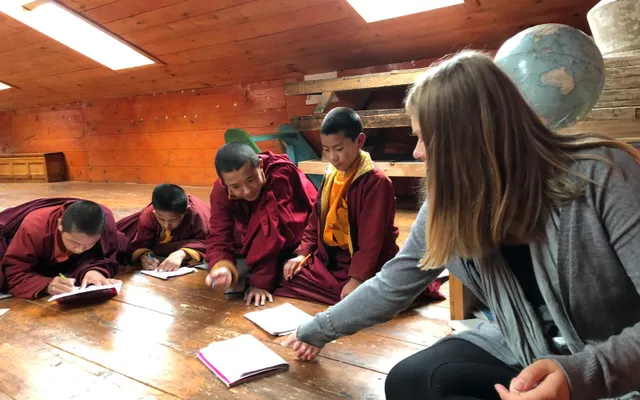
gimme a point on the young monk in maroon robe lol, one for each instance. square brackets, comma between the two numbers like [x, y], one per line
[351, 232]
[174, 226]
[259, 209]
[49, 245]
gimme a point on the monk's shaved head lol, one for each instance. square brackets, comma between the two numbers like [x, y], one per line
[171, 198]
[233, 156]
[342, 120]
[85, 217]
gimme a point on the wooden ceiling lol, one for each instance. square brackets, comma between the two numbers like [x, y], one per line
[205, 43]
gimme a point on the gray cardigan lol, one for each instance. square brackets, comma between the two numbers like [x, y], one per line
[588, 270]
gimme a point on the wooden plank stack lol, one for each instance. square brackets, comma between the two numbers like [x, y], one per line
[617, 113]
[385, 118]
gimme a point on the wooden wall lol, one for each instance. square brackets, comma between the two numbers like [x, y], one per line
[150, 139]
[170, 137]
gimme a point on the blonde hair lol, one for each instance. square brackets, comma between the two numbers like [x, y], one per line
[493, 168]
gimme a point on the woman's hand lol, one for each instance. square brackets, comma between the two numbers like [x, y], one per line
[542, 380]
[303, 351]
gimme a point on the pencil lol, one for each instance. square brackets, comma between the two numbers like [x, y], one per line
[301, 264]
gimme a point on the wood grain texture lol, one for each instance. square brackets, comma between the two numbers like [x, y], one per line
[149, 139]
[370, 119]
[390, 168]
[212, 43]
[143, 343]
[356, 82]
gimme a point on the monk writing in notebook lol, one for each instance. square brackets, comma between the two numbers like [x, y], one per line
[351, 232]
[49, 245]
[259, 208]
[173, 226]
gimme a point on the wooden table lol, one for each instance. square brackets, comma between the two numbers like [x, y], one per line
[142, 344]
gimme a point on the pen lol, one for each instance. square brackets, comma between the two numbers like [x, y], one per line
[62, 276]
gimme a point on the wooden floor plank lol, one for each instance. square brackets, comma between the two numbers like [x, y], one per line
[197, 308]
[41, 371]
[143, 343]
[85, 333]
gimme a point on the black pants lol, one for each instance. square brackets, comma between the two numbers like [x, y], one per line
[451, 370]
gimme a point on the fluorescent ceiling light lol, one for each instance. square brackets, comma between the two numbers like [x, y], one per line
[4, 87]
[72, 30]
[376, 10]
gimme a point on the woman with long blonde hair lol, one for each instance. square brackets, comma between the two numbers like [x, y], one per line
[543, 228]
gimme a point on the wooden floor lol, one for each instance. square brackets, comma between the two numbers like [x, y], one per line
[142, 344]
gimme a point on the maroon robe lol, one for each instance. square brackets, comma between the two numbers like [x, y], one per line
[265, 231]
[32, 253]
[144, 230]
[371, 206]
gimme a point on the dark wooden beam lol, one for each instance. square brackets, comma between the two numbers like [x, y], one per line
[392, 118]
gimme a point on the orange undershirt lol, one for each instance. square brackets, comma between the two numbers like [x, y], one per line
[336, 229]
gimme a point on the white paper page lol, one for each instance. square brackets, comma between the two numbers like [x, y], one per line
[93, 288]
[240, 357]
[471, 324]
[5, 295]
[3, 310]
[279, 320]
[169, 274]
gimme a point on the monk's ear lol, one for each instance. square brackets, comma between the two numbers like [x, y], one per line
[360, 140]
[60, 224]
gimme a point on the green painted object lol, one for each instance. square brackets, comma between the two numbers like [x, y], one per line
[297, 147]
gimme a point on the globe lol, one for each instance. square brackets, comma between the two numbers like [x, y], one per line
[558, 69]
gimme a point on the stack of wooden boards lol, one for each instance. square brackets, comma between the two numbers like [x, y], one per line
[617, 112]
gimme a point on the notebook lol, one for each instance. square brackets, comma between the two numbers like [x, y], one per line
[280, 320]
[241, 359]
[3, 310]
[89, 293]
[5, 295]
[169, 274]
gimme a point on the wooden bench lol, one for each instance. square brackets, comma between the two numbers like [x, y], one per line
[39, 167]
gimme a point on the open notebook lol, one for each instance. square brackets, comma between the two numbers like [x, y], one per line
[169, 274]
[241, 359]
[92, 292]
[280, 320]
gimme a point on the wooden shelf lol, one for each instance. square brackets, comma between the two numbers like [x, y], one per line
[357, 82]
[391, 118]
[411, 169]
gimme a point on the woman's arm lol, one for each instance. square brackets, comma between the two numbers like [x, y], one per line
[380, 298]
[612, 368]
